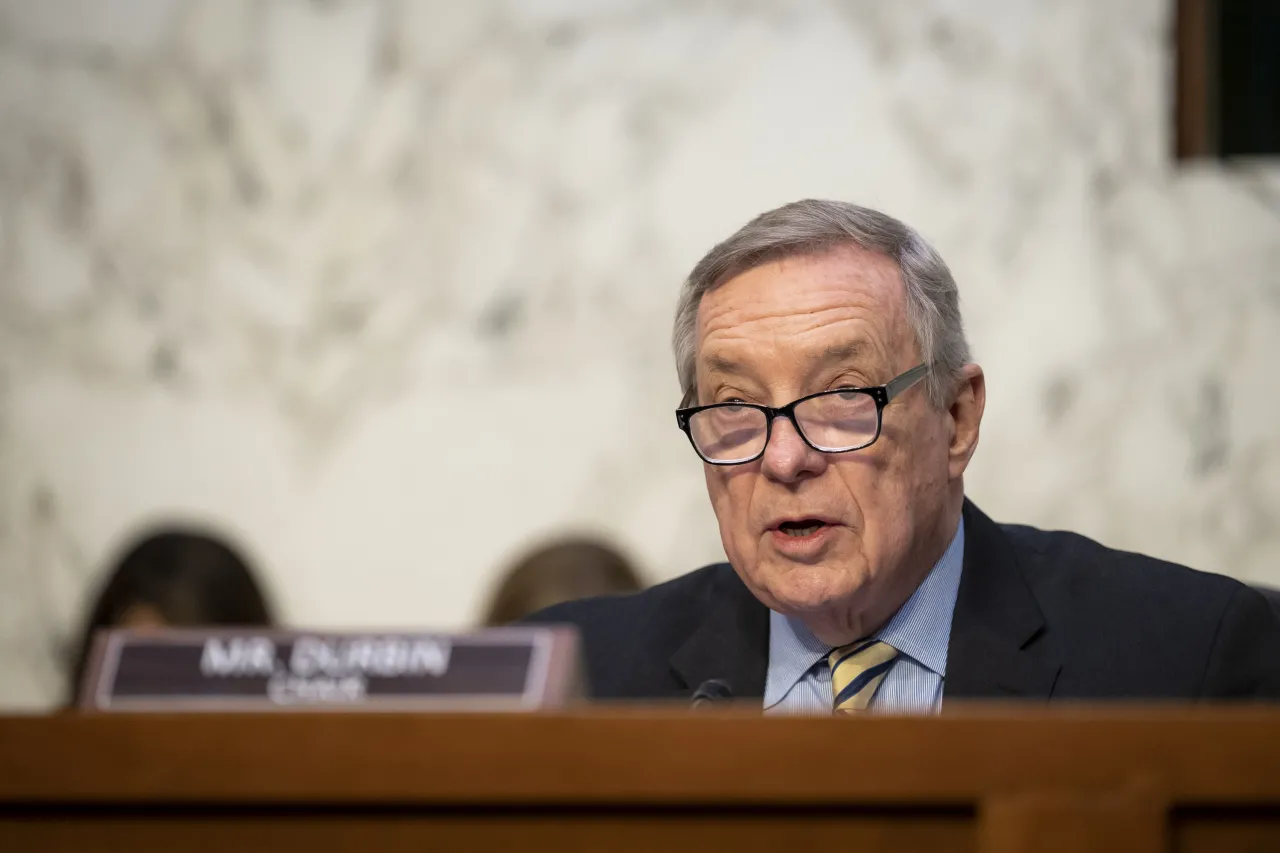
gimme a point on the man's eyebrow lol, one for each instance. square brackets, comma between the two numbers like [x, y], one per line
[837, 353]
[720, 364]
[834, 354]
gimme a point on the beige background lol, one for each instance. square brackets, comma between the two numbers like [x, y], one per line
[384, 289]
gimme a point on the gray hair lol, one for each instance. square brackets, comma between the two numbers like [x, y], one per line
[812, 227]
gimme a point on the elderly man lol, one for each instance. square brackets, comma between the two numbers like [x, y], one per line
[829, 393]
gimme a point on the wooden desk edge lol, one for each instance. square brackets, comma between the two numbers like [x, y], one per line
[1199, 756]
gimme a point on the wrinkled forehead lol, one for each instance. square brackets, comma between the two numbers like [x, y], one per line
[847, 302]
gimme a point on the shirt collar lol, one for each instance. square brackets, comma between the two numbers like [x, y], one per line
[921, 629]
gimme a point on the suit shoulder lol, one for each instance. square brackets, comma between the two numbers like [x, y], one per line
[1061, 557]
[628, 640]
[1123, 612]
[1133, 625]
[668, 601]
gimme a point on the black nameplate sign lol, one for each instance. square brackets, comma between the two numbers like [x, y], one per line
[250, 670]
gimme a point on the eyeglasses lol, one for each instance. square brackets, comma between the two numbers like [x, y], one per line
[830, 421]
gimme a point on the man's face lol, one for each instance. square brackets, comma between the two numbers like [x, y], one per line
[795, 327]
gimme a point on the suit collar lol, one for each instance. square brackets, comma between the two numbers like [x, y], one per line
[731, 643]
[997, 645]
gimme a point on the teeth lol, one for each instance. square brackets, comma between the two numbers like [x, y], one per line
[800, 531]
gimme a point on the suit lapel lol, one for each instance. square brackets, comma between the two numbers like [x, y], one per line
[998, 646]
[731, 643]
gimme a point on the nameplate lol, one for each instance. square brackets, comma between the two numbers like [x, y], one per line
[500, 669]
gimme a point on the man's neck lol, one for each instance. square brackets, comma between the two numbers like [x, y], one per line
[844, 625]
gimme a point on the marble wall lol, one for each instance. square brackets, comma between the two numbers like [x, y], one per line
[384, 288]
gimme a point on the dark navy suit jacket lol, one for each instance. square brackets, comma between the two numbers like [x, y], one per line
[1040, 615]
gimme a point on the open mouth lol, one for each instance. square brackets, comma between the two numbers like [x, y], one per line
[802, 528]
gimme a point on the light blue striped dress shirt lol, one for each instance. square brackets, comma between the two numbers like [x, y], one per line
[799, 679]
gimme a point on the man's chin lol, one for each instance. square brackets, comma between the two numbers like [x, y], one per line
[801, 590]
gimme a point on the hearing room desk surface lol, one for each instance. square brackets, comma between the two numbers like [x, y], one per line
[986, 778]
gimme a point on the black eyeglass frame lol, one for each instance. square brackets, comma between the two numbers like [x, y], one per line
[882, 395]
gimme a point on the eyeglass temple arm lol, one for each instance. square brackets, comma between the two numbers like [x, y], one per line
[901, 383]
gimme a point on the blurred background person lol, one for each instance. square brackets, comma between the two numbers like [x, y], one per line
[559, 571]
[173, 578]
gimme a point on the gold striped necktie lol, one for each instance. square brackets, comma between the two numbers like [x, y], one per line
[856, 672]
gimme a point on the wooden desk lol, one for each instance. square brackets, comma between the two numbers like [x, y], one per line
[988, 780]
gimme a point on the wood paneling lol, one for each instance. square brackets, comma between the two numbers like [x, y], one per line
[1002, 780]
[744, 833]
[1193, 102]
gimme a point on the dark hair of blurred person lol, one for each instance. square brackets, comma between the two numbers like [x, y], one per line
[564, 570]
[178, 578]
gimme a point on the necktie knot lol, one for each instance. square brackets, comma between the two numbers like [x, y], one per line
[856, 672]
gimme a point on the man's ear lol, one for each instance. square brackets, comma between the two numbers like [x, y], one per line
[966, 417]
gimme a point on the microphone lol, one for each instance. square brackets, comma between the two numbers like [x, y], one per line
[709, 692]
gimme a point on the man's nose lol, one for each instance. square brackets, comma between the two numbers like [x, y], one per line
[788, 458]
